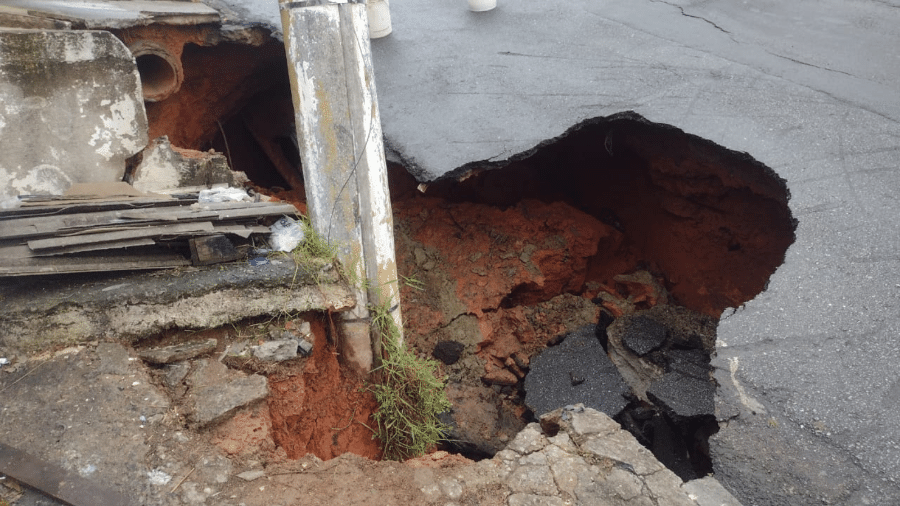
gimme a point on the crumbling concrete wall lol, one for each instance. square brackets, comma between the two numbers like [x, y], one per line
[71, 110]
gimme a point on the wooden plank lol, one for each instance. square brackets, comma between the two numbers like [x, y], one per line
[165, 230]
[83, 248]
[55, 481]
[32, 227]
[98, 262]
[48, 225]
[212, 249]
[241, 230]
[10, 251]
[59, 208]
[270, 210]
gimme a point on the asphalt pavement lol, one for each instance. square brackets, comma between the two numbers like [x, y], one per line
[810, 88]
[809, 382]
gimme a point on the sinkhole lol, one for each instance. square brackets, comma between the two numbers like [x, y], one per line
[591, 268]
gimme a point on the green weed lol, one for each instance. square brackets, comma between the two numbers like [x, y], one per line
[409, 394]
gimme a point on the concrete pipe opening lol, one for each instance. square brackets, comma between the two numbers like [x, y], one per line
[160, 70]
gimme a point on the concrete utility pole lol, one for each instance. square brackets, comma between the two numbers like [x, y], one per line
[339, 133]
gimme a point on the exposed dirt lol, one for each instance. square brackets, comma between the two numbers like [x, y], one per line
[324, 411]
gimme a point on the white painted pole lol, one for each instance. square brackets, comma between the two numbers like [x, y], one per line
[340, 139]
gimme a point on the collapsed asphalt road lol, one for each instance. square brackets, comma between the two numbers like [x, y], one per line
[807, 370]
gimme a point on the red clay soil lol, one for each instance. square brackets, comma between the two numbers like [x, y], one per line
[531, 252]
[322, 410]
[507, 267]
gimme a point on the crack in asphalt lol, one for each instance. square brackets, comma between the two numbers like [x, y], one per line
[809, 64]
[701, 18]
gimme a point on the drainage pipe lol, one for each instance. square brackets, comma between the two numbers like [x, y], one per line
[340, 140]
[160, 70]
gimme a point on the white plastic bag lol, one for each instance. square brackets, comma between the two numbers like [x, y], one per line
[286, 234]
[224, 195]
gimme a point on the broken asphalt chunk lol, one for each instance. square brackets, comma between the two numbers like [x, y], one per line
[683, 395]
[276, 351]
[643, 335]
[550, 384]
[177, 352]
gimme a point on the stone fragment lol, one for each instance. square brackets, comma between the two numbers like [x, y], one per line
[175, 373]
[529, 440]
[304, 347]
[549, 384]
[448, 352]
[213, 402]
[643, 335]
[683, 395]
[251, 475]
[623, 447]
[164, 167]
[707, 491]
[177, 352]
[276, 351]
[665, 487]
[532, 479]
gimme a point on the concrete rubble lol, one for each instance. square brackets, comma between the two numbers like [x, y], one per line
[164, 167]
[48, 311]
[575, 456]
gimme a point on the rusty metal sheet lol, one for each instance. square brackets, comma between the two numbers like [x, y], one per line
[55, 481]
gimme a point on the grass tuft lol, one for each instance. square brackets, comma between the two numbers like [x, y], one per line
[409, 394]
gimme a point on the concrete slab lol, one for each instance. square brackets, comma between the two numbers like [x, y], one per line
[72, 110]
[43, 311]
[93, 14]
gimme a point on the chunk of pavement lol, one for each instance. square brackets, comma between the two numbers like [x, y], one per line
[174, 374]
[576, 371]
[276, 351]
[252, 475]
[694, 363]
[630, 469]
[707, 491]
[683, 395]
[177, 352]
[643, 335]
[448, 352]
[213, 403]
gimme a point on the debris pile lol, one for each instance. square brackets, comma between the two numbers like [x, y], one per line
[110, 227]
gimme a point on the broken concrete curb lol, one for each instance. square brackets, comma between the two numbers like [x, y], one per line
[40, 312]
